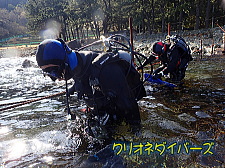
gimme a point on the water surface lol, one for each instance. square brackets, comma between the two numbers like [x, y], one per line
[40, 135]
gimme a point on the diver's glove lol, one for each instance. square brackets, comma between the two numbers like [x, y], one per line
[166, 75]
[147, 61]
[160, 75]
[71, 90]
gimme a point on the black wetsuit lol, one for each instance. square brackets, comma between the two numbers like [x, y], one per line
[109, 84]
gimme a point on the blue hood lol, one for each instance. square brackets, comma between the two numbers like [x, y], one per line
[52, 51]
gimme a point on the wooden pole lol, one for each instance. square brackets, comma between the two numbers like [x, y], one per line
[201, 51]
[212, 52]
[168, 33]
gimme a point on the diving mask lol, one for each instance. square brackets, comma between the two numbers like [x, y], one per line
[54, 72]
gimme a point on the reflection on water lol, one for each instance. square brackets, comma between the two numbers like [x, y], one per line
[16, 149]
[39, 135]
[4, 130]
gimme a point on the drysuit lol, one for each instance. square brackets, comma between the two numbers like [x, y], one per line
[108, 83]
[174, 61]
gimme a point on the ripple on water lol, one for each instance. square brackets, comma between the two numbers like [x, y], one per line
[43, 137]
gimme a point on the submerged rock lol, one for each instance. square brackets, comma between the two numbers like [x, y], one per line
[202, 114]
[28, 63]
[186, 117]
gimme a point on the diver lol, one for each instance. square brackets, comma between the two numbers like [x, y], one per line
[174, 57]
[108, 84]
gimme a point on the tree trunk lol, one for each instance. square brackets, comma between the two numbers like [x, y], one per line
[163, 25]
[208, 8]
[181, 20]
[72, 33]
[105, 25]
[97, 31]
[93, 29]
[77, 30]
[153, 16]
[107, 14]
[197, 15]
[142, 17]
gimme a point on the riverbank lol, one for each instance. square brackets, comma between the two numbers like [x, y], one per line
[211, 40]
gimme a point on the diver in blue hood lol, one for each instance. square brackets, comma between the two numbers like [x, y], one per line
[53, 57]
[108, 84]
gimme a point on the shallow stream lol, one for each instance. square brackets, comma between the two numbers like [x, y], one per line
[181, 127]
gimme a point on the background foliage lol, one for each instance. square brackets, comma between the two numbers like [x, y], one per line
[71, 19]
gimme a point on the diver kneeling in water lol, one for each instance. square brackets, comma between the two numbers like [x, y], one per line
[174, 57]
[109, 84]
